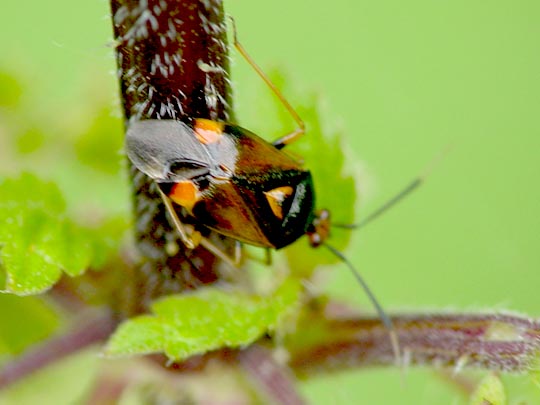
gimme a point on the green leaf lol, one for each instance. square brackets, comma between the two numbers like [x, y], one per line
[204, 320]
[39, 322]
[490, 391]
[37, 241]
[29, 140]
[100, 145]
[11, 90]
[534, 375]
[322, 152]
[106, 239]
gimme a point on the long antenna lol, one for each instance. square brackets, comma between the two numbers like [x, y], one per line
[412, 186]
[387, 322]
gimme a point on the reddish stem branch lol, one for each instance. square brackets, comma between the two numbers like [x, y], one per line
[506, 343]
[108, 389]
[273, 379]
[94, 330]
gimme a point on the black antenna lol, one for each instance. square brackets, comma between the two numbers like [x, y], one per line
[412, 186]
[385, 207]
[387, 322]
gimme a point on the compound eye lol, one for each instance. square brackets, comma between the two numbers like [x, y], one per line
[276, 199]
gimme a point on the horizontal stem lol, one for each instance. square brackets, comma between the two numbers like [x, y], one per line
[498, 342]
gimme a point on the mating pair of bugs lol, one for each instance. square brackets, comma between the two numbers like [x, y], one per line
[236, 183]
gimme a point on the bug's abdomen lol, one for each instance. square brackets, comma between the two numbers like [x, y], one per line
[271, 210]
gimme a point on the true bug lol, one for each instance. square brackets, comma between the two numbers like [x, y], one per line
[236, 183]
[215, 171]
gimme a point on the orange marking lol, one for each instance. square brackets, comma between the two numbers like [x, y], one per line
[276, 197]
[208, 131]
[185, 194]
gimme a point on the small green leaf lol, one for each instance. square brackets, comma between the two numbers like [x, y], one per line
[322, 152]
[207, 319]
[106, 239]
[37, 241]
[39, 322]
[490, 391]
[11, 90]
[100, 145]
[534, 372]
[29, 140]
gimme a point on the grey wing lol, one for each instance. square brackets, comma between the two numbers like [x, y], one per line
[166, 150]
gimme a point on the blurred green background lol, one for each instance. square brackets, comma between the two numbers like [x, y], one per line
[404, 80]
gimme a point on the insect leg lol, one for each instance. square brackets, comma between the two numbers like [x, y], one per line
[299, 131]
[237, 252]
[192, 238]
[268, 257]
[219, 253]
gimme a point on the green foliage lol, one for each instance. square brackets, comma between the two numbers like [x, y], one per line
[39, 322]
[321, 150]
[534, 376]
[11, 90]
[490, 391]
[29, 140]
[77, 146]
[204, 320]
[100, 144]
[38, 241]
[38, 238]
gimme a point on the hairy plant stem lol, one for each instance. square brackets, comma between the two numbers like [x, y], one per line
[172, 59]
[497, 342]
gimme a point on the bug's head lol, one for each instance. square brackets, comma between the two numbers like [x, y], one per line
[319, 230]
[286, 208]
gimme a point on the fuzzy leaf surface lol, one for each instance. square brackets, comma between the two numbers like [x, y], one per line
[489, 391]
[38, 242]
[205, 320]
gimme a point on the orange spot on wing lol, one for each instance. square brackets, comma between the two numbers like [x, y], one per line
[275, 198]
[208, 131]
[185, 194]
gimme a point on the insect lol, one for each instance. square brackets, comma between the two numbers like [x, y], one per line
[228, 178]
[234, 182]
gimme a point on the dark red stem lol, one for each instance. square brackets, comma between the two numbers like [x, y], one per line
[497, 342]
[273, 379]
[96, 329]
[172, 59]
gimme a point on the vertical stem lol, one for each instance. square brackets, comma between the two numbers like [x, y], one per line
[172, 64]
